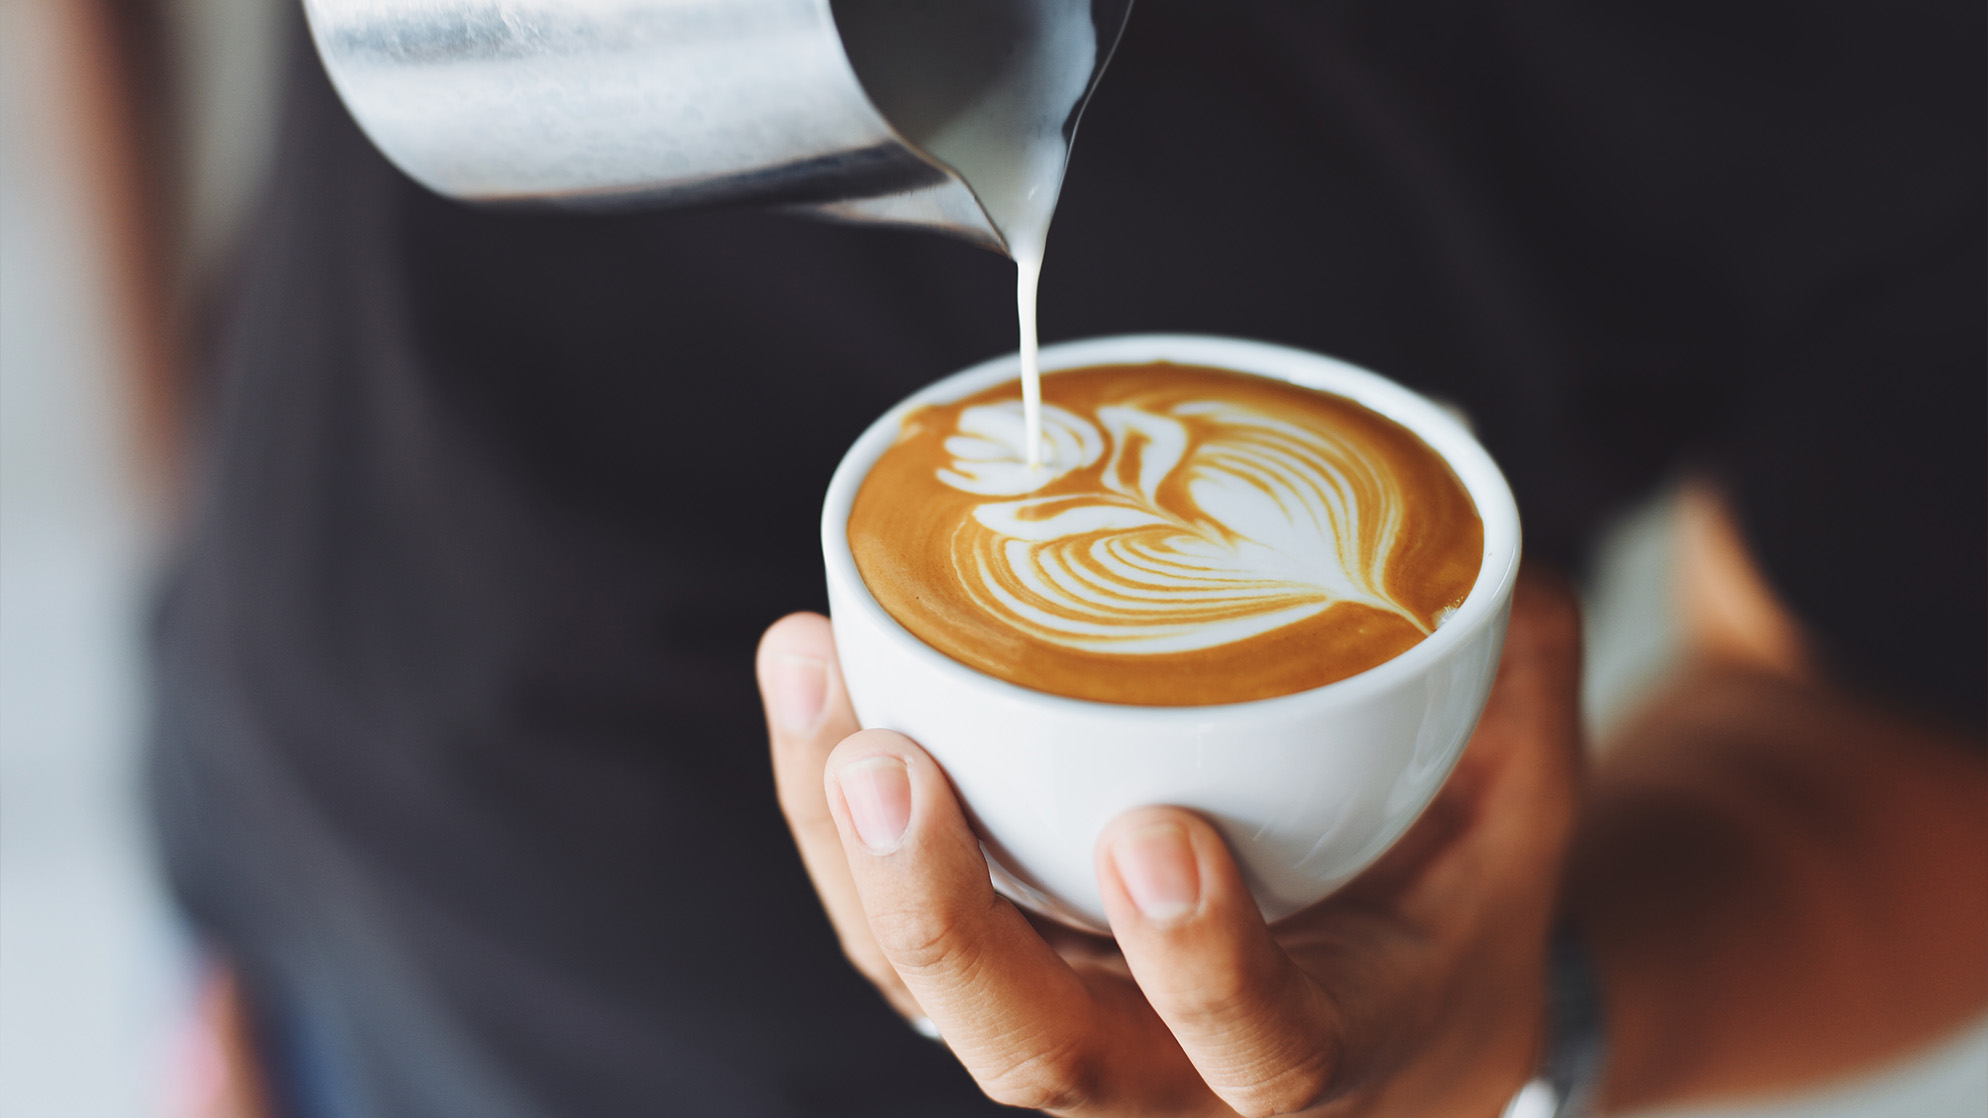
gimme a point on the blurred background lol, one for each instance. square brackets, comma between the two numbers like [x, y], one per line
[99, 984]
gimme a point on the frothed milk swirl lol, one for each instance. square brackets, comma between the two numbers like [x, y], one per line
[1191, 536]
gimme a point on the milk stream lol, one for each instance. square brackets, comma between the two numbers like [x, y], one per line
[992, 89]
[1028, 277]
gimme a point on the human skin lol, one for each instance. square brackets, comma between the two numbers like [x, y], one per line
[1780, 884]
[1782, 881]
[1418, 989]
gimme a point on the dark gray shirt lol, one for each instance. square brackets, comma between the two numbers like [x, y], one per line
[459, 754]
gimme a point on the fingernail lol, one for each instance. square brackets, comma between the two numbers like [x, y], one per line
[878, 792]
[796, 686]
[1157, 866]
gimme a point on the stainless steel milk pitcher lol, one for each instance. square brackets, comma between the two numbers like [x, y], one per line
[835, 105]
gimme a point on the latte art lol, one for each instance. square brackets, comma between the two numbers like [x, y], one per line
[1266, 521]
[1179, 517]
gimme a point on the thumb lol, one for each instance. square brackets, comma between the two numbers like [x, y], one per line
[1260, 1032]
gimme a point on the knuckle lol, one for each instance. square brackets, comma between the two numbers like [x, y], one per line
[1220, 998]
[1225, 998]
[1280, 1056]
[1060, 1077]
[924, 939]
[1292, 1088]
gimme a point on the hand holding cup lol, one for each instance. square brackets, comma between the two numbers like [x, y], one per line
[1415, 989]
[1251, 581]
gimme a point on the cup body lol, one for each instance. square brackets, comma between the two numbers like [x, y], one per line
[1308, 789]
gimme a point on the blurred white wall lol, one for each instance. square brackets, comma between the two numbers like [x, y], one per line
[89, 960]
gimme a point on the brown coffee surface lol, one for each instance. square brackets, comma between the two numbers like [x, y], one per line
[1194, 536]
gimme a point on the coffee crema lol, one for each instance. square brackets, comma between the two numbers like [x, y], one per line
[1192, 536]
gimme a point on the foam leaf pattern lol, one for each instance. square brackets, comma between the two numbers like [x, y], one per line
[1209, 523]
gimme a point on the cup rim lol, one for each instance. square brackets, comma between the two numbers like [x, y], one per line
[1443, 431]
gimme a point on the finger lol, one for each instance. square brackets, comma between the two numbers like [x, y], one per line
[1507, 807]
[1010, 1008]
[1536, 697]
[1262, 1034]
[1528, 746]
[807, 713]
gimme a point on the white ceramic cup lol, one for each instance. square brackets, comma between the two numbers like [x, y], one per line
[1308, 788]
